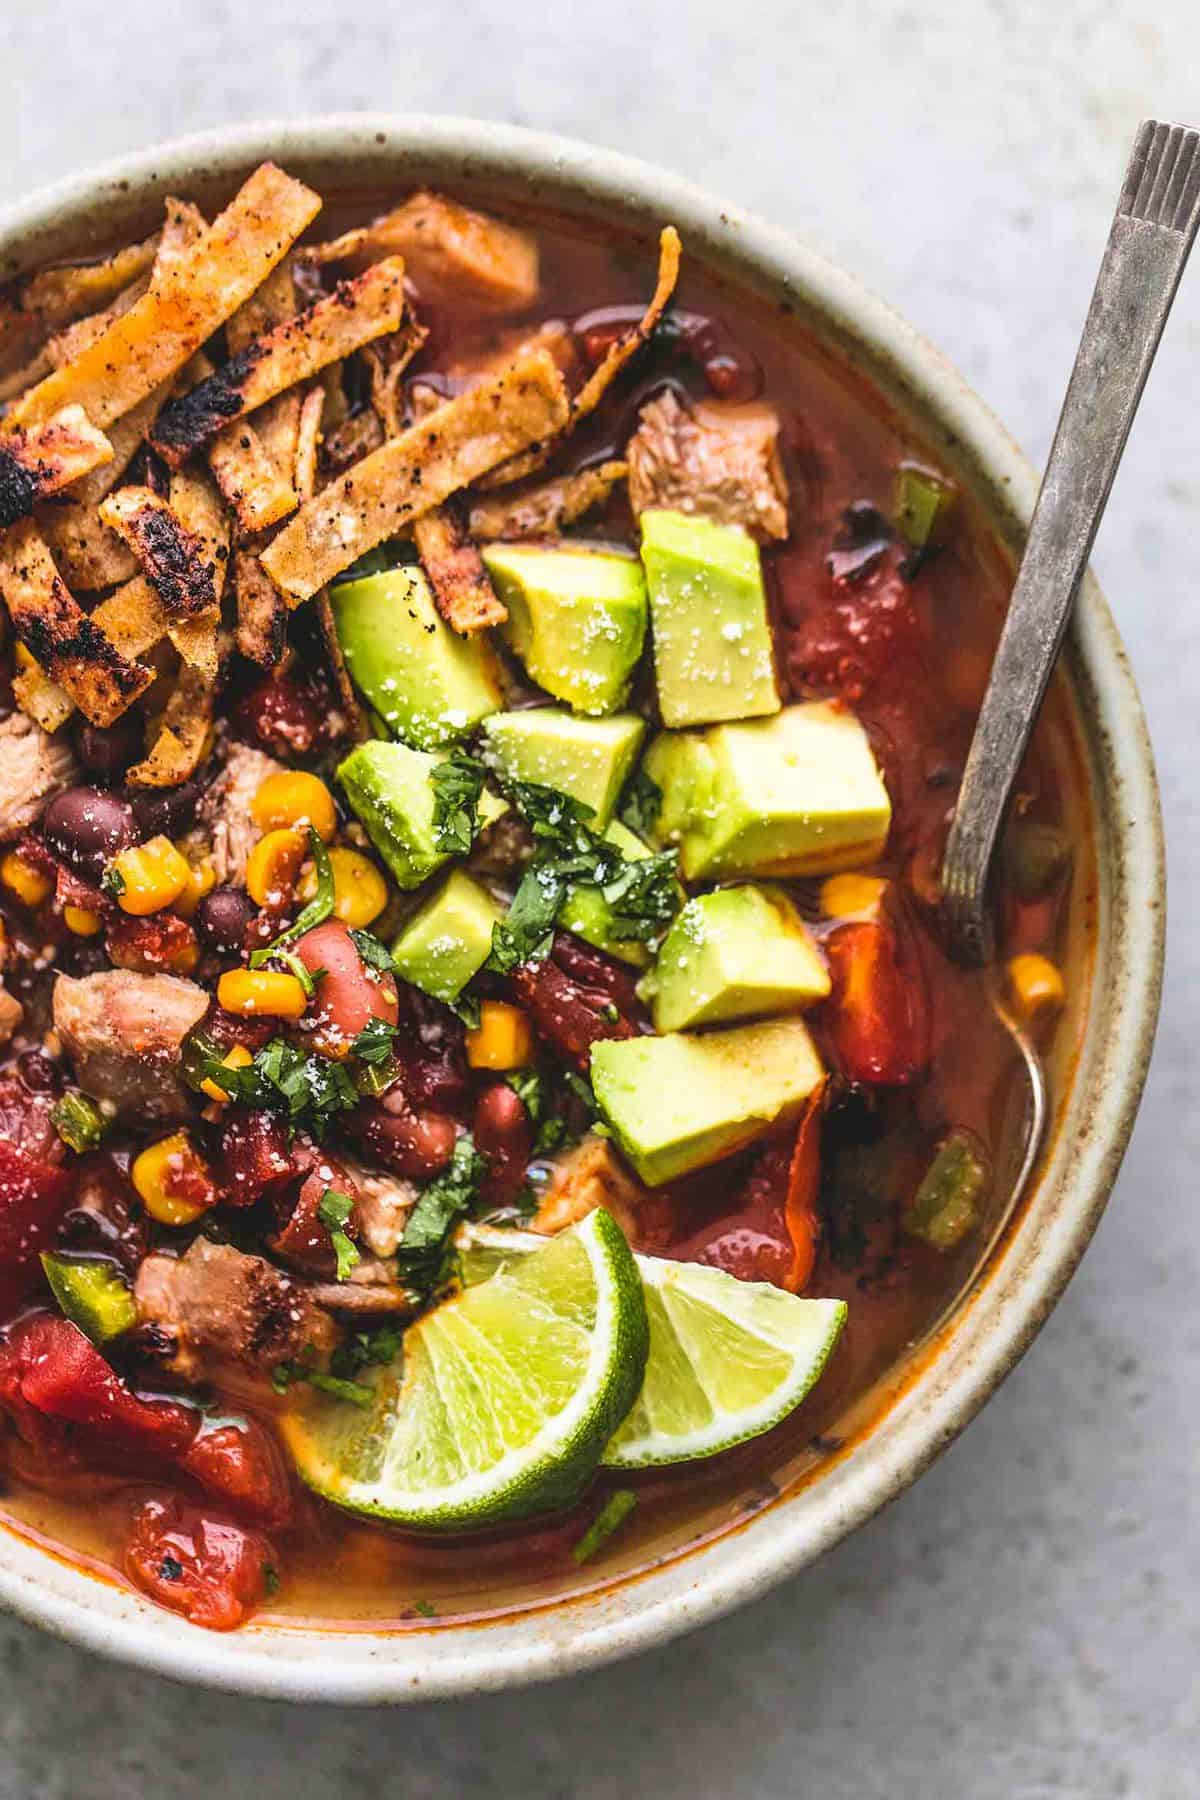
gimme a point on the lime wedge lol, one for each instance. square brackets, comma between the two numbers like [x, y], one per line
[503, 1400]
[728, 1359]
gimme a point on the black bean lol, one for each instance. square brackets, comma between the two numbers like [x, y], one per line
[107, 751]
[86, 826]
[222, 920]
[167, 812]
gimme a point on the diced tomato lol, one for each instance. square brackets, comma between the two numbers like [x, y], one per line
[877, 1016]
[33, 1198]
[196, 1563]
[256, 1158]
[800, 1210]
[48, 1366]
[240, 1464]
[349, 994]
[304, 1239]
[161, 943]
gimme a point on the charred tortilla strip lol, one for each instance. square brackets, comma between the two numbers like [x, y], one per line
[416, 471]
[387, 361]
[268, 306]
[133, 619]
[250, 479]
[39, 460]
[184, 734]
[89, 555]
[461, 586]
[357, 312]
[308, 442]
[548, 508]
[619, 354]
[56, 631]
[39, 698]
[355, 438]
[197, 504]
[261, 611]
[56, 297]
[204, 284]
[172, 557]
[452, 251]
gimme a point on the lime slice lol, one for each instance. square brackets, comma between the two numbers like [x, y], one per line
[503, 1400]
[728, 1359]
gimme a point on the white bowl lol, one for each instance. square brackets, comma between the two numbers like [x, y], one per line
[1098, 1088]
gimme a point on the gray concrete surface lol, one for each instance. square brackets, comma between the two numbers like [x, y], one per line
[1024, 1624]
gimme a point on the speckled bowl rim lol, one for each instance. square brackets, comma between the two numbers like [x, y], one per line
[1029, 1272]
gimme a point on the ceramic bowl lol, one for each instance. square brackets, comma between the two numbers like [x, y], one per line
[1098, 1075]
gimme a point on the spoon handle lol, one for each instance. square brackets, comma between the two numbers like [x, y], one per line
[1151, 235]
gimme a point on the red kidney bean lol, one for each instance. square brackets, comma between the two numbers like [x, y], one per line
[566, 1014]
[504, 1138]
[349, 994]
[86, 826]
[283, 714]
[418, 1145]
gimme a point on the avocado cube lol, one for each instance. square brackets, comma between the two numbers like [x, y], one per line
[428, 685]
[797, 794]
[390, 793]
[448, 938]
[576, 618]
[736, 953]
[680, 1102]
[589, 759]
[713, 653]
[588, 914]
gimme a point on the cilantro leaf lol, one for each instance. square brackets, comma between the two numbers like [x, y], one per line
[644, 896]
[333, 1210]
[366, 1350]
[457, 786]
[374, 954]
[308, 1090]
[373, 1044]
[527, 933]
[422, 1252]
[112, 882]
[641, 803]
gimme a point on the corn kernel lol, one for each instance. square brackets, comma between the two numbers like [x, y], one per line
[1036, 985]
[852, 896]
[502, 1039]
[291, 797]
[273, 865]
[173, 1180]
[23, 881]
[82, 921]
[237, 1058]
[154, 875]
[202, 879]
[261, 993]
[359, 890]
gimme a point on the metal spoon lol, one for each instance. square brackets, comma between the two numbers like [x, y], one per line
[1152, 233]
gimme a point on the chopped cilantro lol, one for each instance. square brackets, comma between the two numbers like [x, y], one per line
[309, 1090]
[610, 1518]
[425, 1609]
[422, 1251]
[334, 1210]
[527, 1085]
[366, 1350]
[112, 882]
[270, 1580]
[319, 908]
[641, 803]
[373, 1044]
[340, 1390]
[374, 954]
[457, 785]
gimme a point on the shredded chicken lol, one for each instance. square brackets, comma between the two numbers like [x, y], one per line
[382, 1204]
[586, 1178]
[33, 768]
[217, 1306]
[721, 462]
[225, 809]
[124, 1034]
[370, 1291]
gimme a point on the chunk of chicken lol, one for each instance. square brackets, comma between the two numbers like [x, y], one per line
[382, 1203]
[216, 1306]
[225, 810]
[454, 253]
[124, 1033]
[33, 768]
[718, 461]
[588, 1177]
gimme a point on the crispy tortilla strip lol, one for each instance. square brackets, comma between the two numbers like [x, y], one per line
[197, 504]
[39, 698]
[452, 252]
[88, 554]
[55, 297]
[412, 473]
[308, 441]
[387, 360]
[74, 339]
[360, 725]
[268, 306]
[544, 510]
[133, 619]
[353, 439]
[250, 478]
[15, 381]
[600, 380]
[203, 285]
[172, 557]
[40, 460]
[356, 313]
[56, 631]
[184, 734]
[461, 586]
[261, 611]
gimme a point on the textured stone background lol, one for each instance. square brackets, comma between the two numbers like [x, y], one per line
[1024, 1623]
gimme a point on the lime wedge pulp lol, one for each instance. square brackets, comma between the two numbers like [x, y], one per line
[503, 1399]
[728, 1359]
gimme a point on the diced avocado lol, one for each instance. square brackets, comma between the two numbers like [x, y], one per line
[588, 759]
[713, 655]
[680, 1102]
[390, 792]
[798, 794]
[737, 953]
[576, 618]
[587, 913]
[428, 685]
[448, 938]
[92, 1295]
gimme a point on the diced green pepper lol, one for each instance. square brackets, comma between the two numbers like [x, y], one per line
[949, 1201]
[78, 1122]
[92, 1294]
[1036, 858]
[923, 503]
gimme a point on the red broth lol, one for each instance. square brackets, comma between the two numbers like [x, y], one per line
[907, 640]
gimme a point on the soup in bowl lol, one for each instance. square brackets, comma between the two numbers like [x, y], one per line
[491, 1134]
